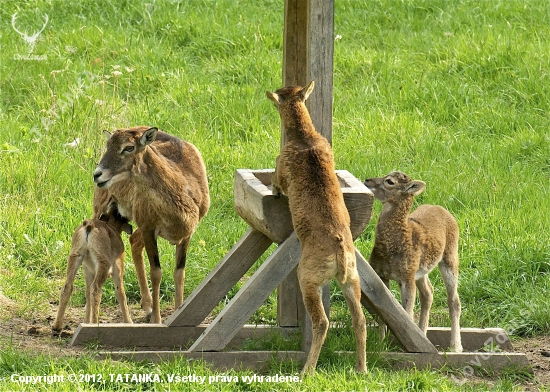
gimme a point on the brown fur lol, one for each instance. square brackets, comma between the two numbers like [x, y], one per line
[159, 182]
[305, 173]
[407, 247]
[98, 247]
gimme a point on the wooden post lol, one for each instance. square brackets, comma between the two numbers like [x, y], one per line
[308, 54]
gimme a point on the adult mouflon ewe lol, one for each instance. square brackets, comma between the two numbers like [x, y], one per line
[159, 182]
[305, 173]
[407, 247]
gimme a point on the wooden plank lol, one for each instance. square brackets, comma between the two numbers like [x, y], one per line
[251, 296]
[257, 361]
[290, 307]
[256, 204]
[220, 280]
[467, 361]
[472, 338]
[379, 298]
[160, 336]
[308, 54]
[320, 64]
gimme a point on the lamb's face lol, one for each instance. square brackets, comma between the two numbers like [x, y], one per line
[393, 187]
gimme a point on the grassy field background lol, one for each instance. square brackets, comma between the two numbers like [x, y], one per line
[452, 93]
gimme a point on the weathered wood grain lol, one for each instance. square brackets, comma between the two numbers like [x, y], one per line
[257, 361]
[250, 297]
[379, 298]
[220, 280]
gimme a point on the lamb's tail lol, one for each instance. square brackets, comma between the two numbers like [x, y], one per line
[88, 227]
[341, 259]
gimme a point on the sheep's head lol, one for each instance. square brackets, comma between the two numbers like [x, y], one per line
[123, 147]
[111, 215]
[290, 94]
[394, 187]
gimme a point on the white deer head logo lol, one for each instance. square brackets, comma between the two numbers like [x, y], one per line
[29, 39]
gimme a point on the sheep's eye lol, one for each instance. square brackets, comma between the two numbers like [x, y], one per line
[128, 149]
[389, 182]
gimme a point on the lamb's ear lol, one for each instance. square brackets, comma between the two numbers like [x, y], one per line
[273, 97]
[148, 136]
[415, 188]
[107, 134]
[307, 90]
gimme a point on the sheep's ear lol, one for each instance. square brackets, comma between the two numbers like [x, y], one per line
[127, 228]
[415, 188]
[307, 90]
[273, 97]
[148, 136]
[107, 134]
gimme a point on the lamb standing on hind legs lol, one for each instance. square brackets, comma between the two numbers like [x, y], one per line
[159, 182]
[305, 173]
[407, 247]
[97, 245]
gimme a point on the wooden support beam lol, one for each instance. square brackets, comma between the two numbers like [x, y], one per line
[308, 54]
[257, 361]
[473, 339]
[379, 298]
[251, 296]
[220, 280]
[484, 360]
[161, 337]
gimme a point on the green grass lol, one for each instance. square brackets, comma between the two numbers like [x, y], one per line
[453, 93]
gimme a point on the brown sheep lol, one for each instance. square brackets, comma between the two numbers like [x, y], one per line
[407, 247]
[159, 182]
[305, 172]
[98, 247]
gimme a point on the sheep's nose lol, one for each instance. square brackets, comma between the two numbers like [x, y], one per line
[97, 174]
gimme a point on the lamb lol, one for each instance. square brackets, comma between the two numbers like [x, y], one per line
[97, 246]
[305, 172]
[407, 247]
[160, 183]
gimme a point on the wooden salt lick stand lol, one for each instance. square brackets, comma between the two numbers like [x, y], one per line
[308, 55]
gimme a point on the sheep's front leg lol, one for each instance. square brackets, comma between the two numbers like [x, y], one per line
[382, 327]
[151, 248]
[408, 293]
[425, 292]
[275, 188]
[137, 245]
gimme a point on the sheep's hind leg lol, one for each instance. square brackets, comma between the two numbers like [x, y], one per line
[179, 271]
[352, 292]
[73, 263]
[450, 278]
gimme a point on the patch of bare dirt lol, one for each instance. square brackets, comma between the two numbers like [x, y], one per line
[537, 350]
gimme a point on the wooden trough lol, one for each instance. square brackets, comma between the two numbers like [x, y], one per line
[185, 335]
[308, 54]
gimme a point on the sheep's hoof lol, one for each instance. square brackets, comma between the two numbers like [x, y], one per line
[361, 369]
